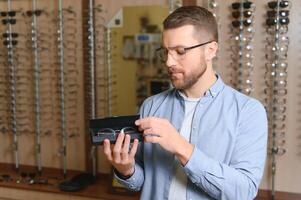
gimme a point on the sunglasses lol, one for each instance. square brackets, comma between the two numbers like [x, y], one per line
[246, 14]
[9, 13]
[9, 21]
[246, 5]
[238, 23]
[7, 35]
[282, 4]
[30, 13]
[8, 43]
[273, 13]
[282, 21]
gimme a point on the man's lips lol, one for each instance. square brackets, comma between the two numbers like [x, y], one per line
[175, 74]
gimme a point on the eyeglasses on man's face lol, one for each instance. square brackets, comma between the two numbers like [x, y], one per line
[178, 53]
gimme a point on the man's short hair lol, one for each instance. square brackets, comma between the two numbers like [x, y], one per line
[201, 18]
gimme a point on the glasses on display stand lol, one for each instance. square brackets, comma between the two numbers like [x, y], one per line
[242, 29]
[276, 91]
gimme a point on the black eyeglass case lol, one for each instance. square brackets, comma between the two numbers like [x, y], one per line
[110, 127]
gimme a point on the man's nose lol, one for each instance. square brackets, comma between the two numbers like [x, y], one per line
[170, 60]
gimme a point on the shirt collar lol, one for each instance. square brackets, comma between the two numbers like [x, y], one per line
[215, 88]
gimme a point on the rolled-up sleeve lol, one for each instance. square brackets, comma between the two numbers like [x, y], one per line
[134, 182]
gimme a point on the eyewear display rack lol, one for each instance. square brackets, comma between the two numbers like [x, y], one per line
[241, 45]
[42, 82]
[276, 79]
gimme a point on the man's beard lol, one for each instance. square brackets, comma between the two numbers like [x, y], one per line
[189, 81]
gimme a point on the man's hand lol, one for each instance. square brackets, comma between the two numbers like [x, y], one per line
[161, 131]
[120, 155]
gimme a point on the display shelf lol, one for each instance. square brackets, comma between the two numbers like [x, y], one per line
[99, 190]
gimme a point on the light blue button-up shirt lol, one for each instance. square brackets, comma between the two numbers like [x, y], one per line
[229, 134]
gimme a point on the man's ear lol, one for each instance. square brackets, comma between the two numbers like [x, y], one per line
[211, 50]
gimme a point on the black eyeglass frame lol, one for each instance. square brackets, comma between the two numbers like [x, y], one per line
[184, 48]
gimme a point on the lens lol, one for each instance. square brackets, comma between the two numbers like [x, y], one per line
[236, 23]
[246, 14]
[38, 12]
[247, 22]
[235, 6]
[12, 13]
[282, 4]
[282, 21]
[236, 14]
[29, 13]
[246, 5]
[3, 14]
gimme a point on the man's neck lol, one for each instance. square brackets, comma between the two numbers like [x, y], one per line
[199, 88]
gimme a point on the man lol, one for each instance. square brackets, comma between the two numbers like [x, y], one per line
[202, 139]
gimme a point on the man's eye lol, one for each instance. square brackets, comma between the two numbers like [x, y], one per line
[180, 51]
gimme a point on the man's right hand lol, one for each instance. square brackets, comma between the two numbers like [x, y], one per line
[120, 155]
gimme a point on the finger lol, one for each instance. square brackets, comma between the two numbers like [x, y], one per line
[125, 148]
[117, 148]
[134, 148]
[152, 139]
[144, 123]
[119, 141]
[107, 149]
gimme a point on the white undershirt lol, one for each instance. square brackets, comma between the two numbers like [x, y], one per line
[178, 184]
